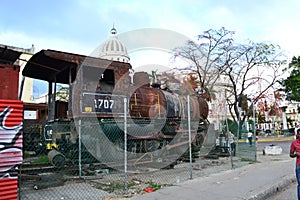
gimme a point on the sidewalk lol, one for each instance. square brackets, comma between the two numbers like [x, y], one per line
[254, 181]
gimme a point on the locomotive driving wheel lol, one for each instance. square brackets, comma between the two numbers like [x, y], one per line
[119, 142]
[152, 145]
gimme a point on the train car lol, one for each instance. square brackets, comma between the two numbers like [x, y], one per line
[103, 99]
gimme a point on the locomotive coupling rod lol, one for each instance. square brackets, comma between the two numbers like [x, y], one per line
[168, 147]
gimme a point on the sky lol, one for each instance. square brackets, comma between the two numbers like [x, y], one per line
[80, 26]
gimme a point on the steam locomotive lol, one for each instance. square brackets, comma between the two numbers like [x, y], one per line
[106, 103]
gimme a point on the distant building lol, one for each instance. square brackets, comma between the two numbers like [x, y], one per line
[113, 49]
[292, 113]
[61, 95]
[25, 84]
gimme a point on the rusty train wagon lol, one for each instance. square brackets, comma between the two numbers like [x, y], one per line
[155, 119]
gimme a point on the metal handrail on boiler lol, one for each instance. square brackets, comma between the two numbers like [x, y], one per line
[135, 101]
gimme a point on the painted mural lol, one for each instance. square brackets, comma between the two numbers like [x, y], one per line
[11, 116]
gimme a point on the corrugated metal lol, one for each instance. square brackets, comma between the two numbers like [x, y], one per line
[11, 117]
[8, 188]
[9, 81]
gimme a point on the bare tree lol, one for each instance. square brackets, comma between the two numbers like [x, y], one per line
[252, 68]
[207, 56]
[254, 71]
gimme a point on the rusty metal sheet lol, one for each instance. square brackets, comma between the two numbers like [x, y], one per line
[9, 81]
[8, 56]
[43, 67]
[11, 117]
[55, 66]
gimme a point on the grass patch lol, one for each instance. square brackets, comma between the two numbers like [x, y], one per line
[41, 159]
[136, 185]
[156, 186]
[115, 186]
[250, 161]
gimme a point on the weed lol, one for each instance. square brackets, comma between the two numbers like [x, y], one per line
[157, 186]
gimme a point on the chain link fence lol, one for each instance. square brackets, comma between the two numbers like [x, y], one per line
[98, 158]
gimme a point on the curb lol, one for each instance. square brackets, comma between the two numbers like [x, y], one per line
[275, 139]
[279, 139]
[273, 189]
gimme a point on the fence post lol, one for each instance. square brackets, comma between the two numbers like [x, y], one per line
[228, 135]
[79, 148]
[254, 131]
[190, 137]
[125, 145]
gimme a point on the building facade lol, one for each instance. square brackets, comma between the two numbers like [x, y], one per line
[25, 83]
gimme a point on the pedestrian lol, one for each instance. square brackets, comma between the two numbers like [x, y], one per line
[249, 135]
[295, 153]
[232, 143]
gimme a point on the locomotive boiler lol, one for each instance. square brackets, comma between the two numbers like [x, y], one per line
[105, 104]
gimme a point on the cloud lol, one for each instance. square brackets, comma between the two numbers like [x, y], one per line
[17, 39]
[84, 25]
[22, 40]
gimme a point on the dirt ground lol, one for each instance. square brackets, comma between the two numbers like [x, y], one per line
[111, 184]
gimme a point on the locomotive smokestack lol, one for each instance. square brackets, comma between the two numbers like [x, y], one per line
[141, 78]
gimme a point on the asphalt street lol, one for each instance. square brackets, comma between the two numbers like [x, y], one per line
[290, 192]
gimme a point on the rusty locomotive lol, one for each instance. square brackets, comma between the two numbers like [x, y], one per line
[156, 118]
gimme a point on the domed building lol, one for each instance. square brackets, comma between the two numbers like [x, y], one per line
[114, 49]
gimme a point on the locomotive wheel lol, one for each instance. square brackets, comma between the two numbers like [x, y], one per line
[119, 143]
[131, 146]
[144, 146]
[199, 139]
[152, 145]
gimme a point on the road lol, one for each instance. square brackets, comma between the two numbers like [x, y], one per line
[289, 193]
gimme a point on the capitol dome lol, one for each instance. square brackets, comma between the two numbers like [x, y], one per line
[114, 49]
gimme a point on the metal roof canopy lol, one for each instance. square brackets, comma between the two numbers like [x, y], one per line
[8, 56]
[57, 66]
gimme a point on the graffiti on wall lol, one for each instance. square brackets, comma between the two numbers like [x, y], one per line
[10, 141]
